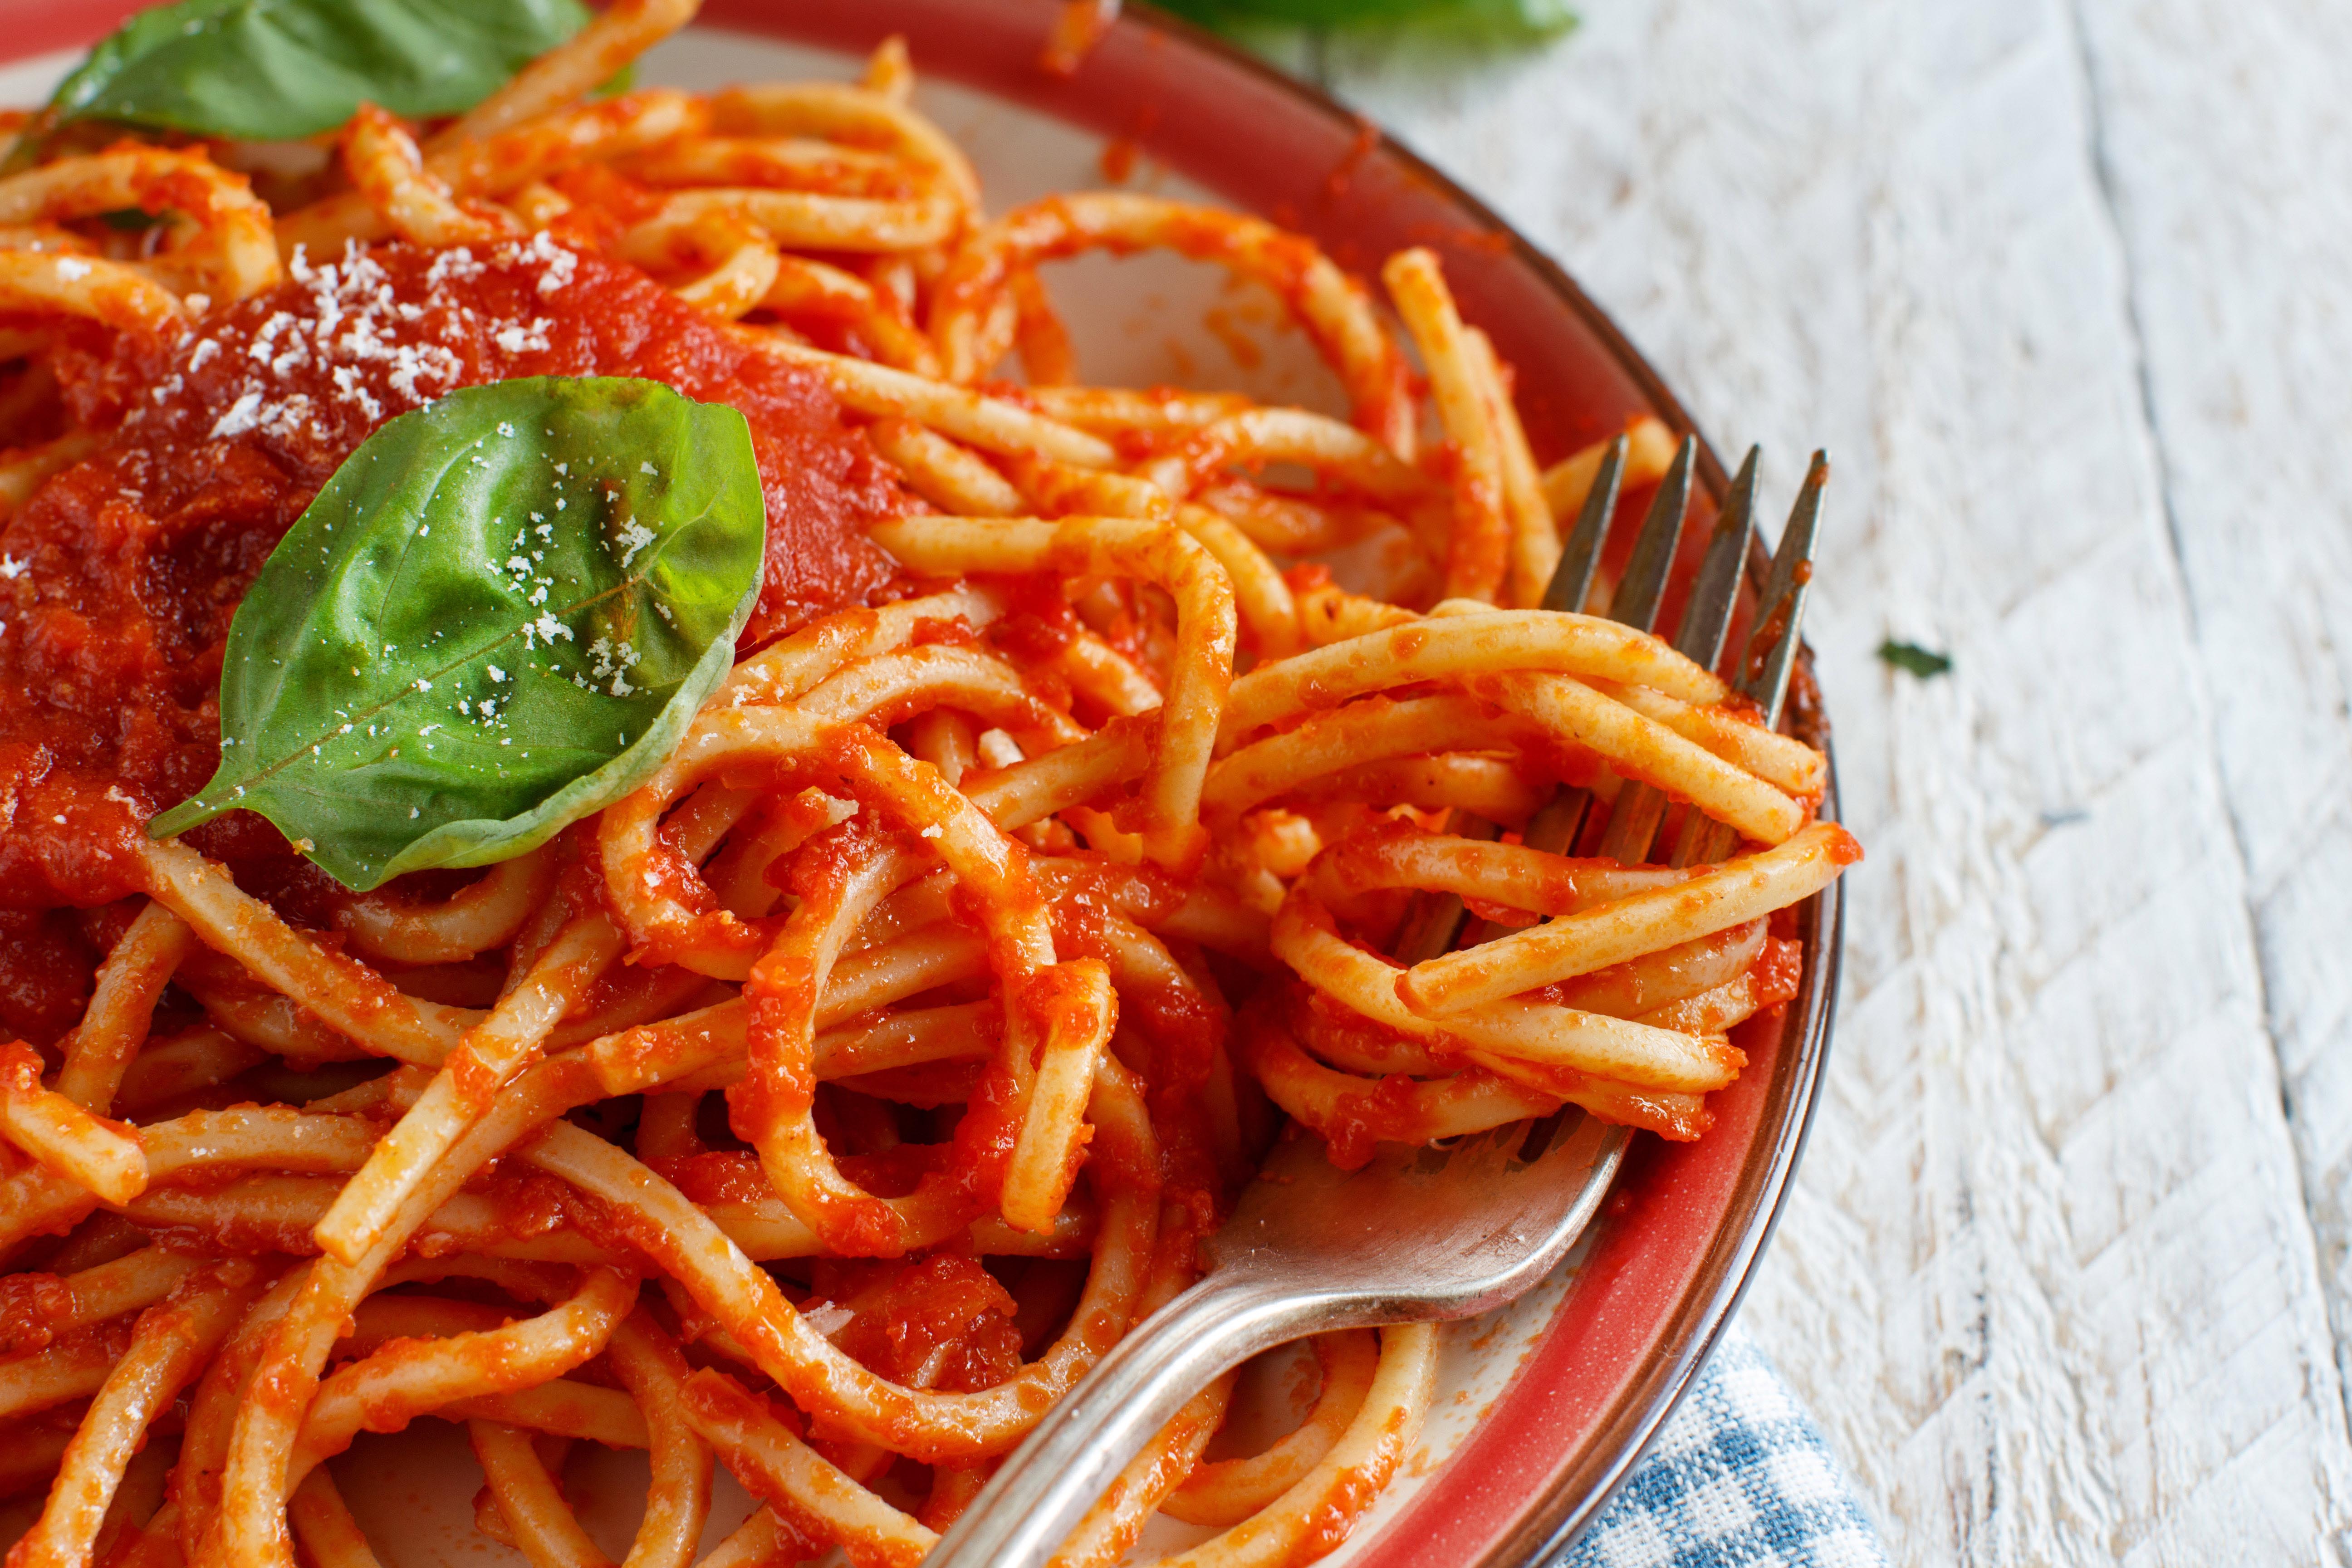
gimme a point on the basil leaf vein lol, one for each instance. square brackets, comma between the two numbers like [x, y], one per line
[273, 70]
[498, 615]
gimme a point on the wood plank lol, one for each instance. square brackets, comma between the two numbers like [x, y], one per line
[2048, 1280]
[2225, 152]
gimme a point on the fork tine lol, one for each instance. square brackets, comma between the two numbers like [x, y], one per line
[1643, 583]
[1431, 926]
[1635, 604]
[1771, 652]
[1715, 589]
[1557, 821]
[1542, 1133]
[1781, 610]
[1632, 825]
[1572, 578]
[1640, 807]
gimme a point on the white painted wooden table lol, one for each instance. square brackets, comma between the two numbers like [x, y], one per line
[2066, 288]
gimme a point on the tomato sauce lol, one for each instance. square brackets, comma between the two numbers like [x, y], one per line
[118, 577]
[940, 1321]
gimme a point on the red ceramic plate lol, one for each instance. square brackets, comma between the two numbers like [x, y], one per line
[1524, 1450]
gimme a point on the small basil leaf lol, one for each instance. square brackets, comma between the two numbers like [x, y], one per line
[1925, 663]
[499, 615]
[273, 70]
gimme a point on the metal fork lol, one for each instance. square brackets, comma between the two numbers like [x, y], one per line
[1770, 656]
[1418, 1234]
[1633, 820]
[1764, 665]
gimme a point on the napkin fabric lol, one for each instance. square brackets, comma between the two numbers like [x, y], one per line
[1740, 1478]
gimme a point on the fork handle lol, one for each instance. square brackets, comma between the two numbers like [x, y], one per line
[1031, 1505]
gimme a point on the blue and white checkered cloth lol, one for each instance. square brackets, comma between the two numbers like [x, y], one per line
[1740, 1478]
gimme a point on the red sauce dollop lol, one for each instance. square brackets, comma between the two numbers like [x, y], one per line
[119, 578]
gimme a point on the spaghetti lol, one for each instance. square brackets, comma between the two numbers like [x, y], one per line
[826, 1106]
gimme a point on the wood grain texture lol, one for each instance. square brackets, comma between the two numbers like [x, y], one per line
[2235, 210]
[2065, 294]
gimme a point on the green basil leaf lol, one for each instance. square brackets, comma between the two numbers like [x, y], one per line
[1925, 663]
[499, 615]
[273, 70]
